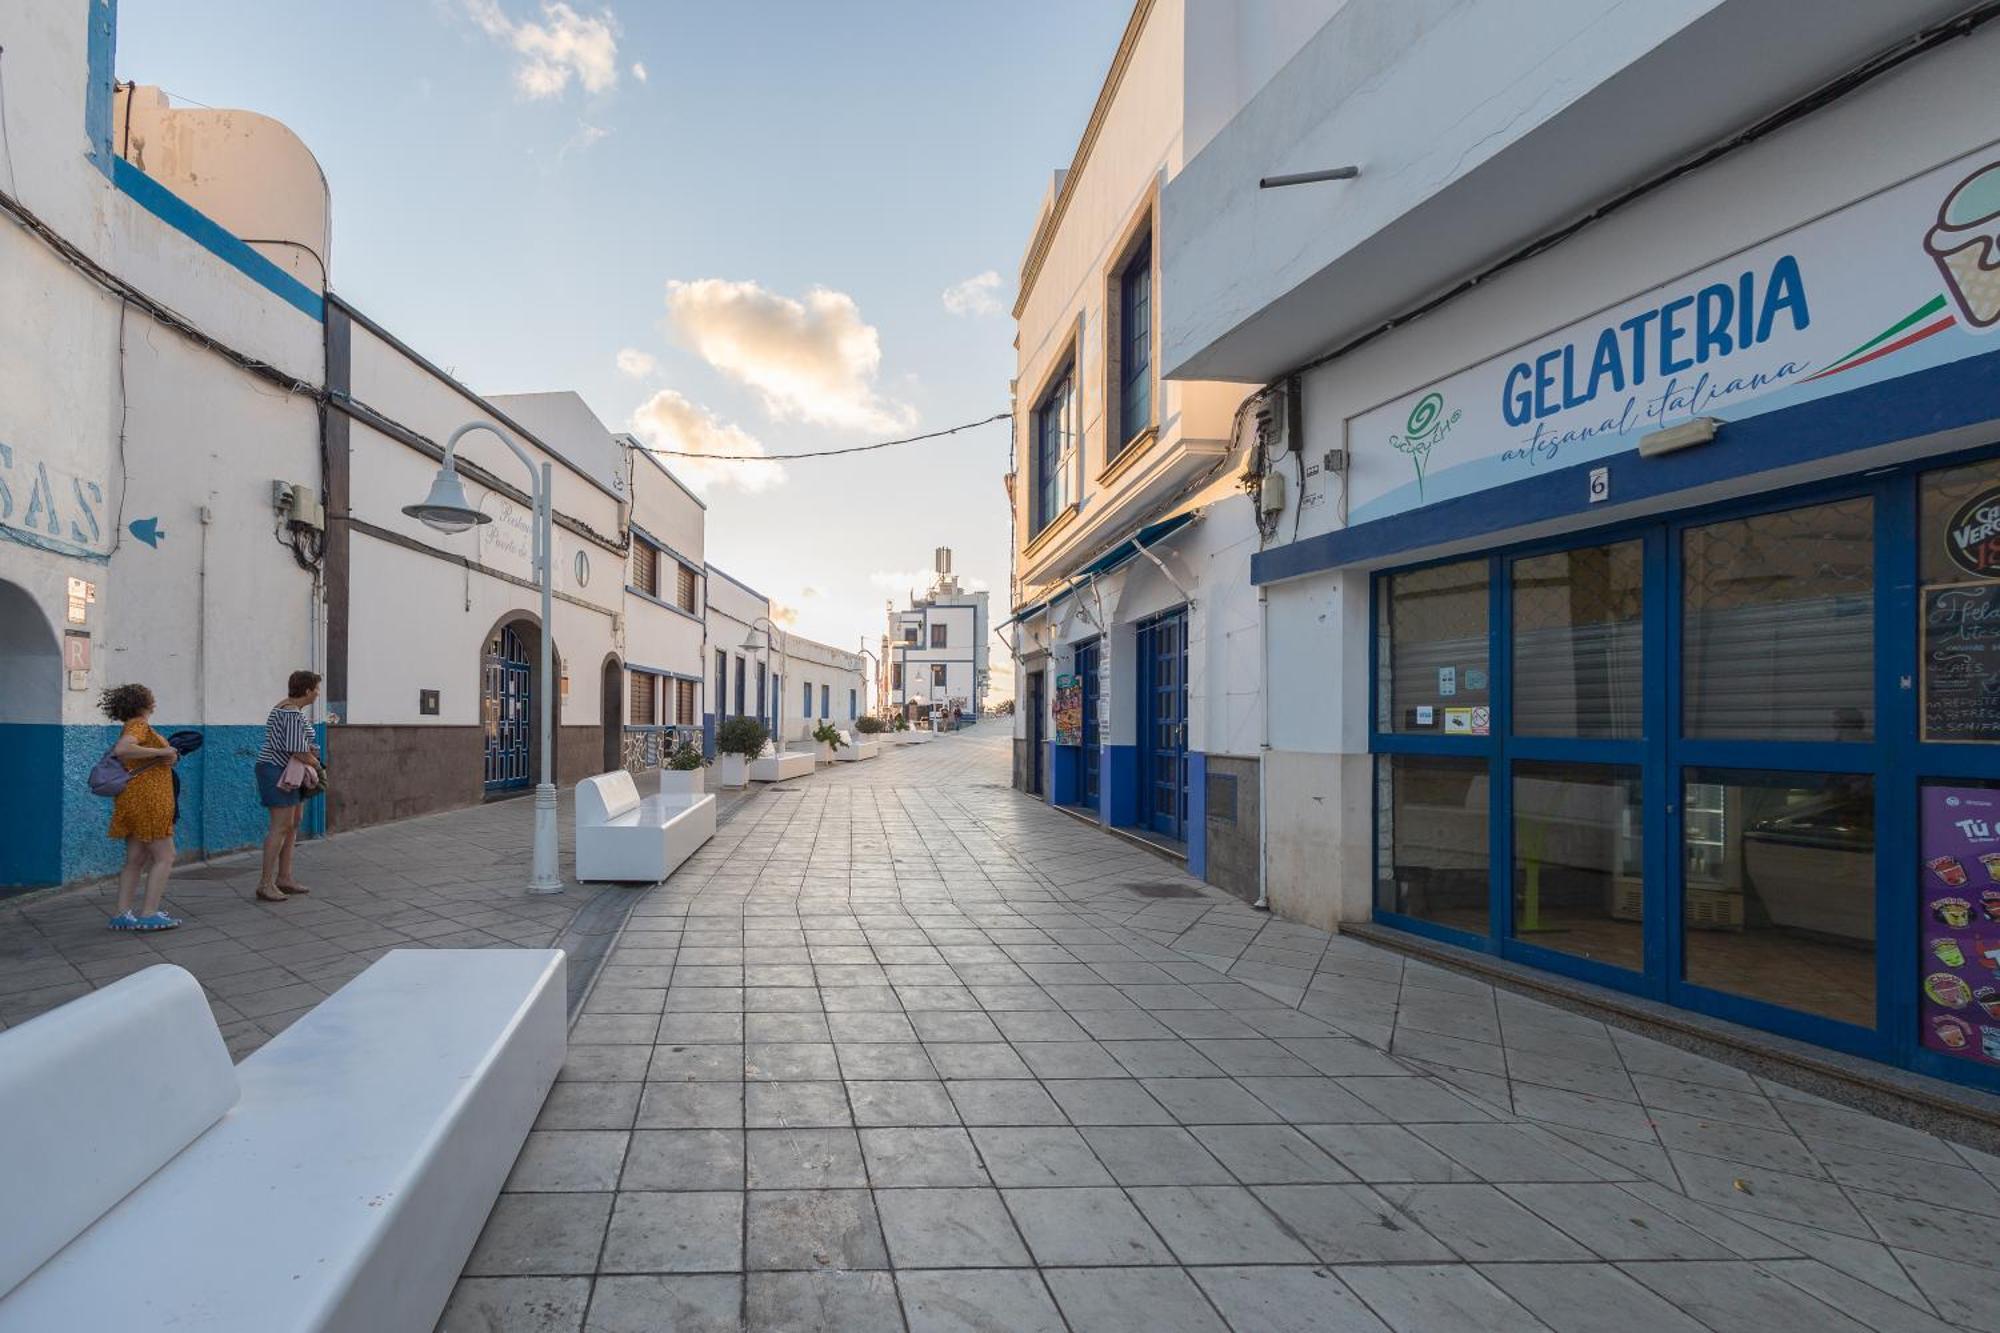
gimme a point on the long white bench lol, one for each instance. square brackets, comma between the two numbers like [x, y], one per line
[335, 1180]
[854, 748]
[623, 837]
[775, 765]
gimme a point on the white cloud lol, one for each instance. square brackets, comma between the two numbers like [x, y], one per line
[669, 421]
[977, 295]
[787, 616]
[564, 46]
[813, 360]
[637, 364]
[639, 70]
[585, 137]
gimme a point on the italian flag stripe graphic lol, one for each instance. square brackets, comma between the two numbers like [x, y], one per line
[1923, 312]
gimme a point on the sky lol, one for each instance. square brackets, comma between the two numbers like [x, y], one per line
[760, 226]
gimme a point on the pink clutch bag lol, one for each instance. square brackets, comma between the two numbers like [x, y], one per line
[297, 774]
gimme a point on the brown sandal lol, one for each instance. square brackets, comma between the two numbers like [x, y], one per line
[293, 888]
[264, 897]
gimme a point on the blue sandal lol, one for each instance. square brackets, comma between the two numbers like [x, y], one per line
[123, 921]
[156, 921]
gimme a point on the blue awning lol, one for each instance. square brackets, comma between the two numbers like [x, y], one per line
[1118, 555]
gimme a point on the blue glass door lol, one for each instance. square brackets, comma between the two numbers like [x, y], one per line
[1163, 710]
[507, 683]
[1086, 668]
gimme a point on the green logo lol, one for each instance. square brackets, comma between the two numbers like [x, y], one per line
[1426, 427]
[1424, 413]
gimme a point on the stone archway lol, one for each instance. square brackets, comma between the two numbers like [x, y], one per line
[31, 734]
[510, 692]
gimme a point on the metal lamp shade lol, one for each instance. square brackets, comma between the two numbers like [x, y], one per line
[446, 507]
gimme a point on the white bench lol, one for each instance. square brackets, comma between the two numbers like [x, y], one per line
[335, 1180]
[775, 765]
[622, 837]
[854, 748]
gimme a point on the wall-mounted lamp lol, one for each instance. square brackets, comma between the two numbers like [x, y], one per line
[1693, 431]
[1309, 177]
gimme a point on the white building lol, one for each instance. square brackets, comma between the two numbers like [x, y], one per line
[937, 648]
[1624, 606]
[1135, 630]
[666, 610]
[830, 687]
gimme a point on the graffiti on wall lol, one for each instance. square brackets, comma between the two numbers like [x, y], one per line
[51, 508]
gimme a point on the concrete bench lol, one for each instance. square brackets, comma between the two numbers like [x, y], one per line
[623, 837]
[779, 765]
[335, 1180]
[854, 748]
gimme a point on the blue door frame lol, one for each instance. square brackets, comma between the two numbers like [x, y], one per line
[1896, 761]
[507, 681]
[1163, 723]
[1092, 763]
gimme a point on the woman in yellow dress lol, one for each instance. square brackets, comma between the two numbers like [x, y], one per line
[143, 813]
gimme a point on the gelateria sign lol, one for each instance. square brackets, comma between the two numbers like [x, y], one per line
[45, 506]
[1900, 281]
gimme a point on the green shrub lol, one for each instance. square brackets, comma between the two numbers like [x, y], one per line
[828, 734]
[869, 726]
[742, 735]
[685, 758]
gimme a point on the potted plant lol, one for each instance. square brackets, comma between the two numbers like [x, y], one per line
[737, 742]
[682, 774]
[869, 725]
[826, 739]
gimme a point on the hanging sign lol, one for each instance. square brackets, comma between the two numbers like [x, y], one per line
[1897, 282]
[1959, 929]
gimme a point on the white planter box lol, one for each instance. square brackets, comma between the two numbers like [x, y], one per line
[732, 770]
[683, 782]
[822, 752]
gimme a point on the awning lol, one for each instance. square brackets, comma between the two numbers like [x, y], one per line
[1118, 555]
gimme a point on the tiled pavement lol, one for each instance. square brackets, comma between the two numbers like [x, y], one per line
[452, 881]
[901, 1047]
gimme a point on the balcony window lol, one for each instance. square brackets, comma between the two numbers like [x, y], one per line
[937, 636]
[1055, 451]
[1135, 343]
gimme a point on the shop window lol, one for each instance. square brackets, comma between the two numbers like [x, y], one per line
[644, 695]
[1578, 868]
[1432, 646]
[1958, 544]
[1577, 642]
[645, 569]
[1779, 628]
[1434, 862]
[1958, 920]
[684, 588]
[1779, 900]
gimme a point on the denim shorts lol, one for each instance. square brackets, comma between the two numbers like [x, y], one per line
[270, 793]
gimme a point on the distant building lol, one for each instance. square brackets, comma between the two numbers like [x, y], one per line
[936, 651]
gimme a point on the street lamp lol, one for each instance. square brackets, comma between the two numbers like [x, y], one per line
[752, 644]
[878, 667]
[447, 510]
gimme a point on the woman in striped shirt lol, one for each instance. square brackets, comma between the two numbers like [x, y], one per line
[287, 736]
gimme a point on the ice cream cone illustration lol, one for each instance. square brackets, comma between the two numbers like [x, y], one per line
[1966, 245]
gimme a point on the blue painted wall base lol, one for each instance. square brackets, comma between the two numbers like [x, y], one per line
[1065, 774]
[1120, 775]
[1197, 814]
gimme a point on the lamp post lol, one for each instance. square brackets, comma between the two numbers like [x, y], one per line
[876, 660]
[447, 510]
[783, 681]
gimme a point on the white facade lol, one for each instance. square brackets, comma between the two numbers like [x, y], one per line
[827, 687]
[937, 649]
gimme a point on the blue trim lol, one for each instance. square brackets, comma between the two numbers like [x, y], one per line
[1963, 393]
[663, 671]
[645, 596]
[101, 54]
[1065, 774]
[209, 234]
[31, 818]
[1121, 786]
[1197, 814]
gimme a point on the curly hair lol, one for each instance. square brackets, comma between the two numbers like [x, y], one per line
[122, 703]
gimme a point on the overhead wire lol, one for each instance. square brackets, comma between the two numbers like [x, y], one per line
[823, 453]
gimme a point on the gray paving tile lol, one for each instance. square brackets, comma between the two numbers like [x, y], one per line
[1482, 1224]
[1084, 1227]
[589, 1106]
[1003, 1102]
[691, 1106]
[1217, 1224]
[675, 1233]
[949, 1228]
[1738, 1298]
[516, 1305]
[1351, 1224]
[901, 1103]
[683, 1302]
[811, 1230]
[568, 1161]
[1154, 1155]
[1286, 1299]
[1438, 1299]
[886, 1060]
[1106, 1101]
[550, 1234]
[1039, 1156]
[911, 1157]
[684, 1159]
[820, 1302]
[802, 1158]
[970, 1301]
[1271, 1155]
[1121, 1300]
[1587, 1298]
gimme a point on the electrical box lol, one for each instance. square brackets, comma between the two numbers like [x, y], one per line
[303, 509]
[1271, 494]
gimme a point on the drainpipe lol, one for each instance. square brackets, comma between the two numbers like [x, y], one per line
[1263, 903]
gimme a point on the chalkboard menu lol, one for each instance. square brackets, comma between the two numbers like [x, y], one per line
[1961, 662]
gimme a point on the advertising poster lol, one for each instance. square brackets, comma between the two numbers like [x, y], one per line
[1069, 710]
[1959, 1011]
